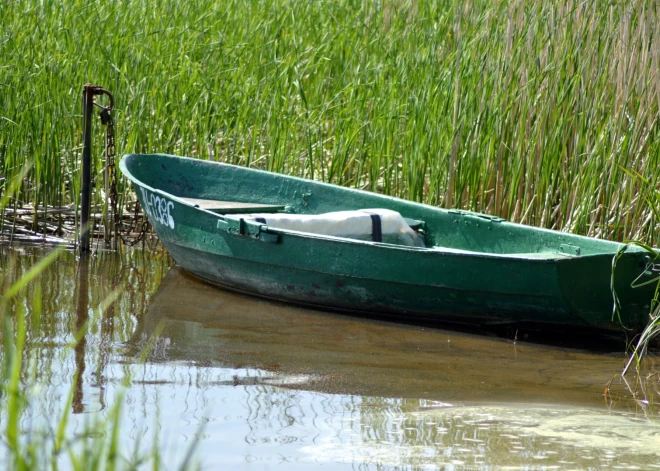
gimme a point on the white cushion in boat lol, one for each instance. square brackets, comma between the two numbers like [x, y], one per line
[378, 225]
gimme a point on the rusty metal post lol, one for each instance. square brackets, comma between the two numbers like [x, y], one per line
[85, 199]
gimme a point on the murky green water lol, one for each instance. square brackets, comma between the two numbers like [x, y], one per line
[262, 385]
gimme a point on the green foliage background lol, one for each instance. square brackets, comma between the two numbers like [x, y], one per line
[544, 112]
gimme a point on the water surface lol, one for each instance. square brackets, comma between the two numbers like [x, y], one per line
[262, 385]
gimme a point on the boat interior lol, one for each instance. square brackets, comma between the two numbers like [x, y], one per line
[234, 192]
[342, 224]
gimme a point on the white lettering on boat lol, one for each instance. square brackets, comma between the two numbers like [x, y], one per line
[158, 208]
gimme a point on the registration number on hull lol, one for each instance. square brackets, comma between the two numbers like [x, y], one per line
[158, 208]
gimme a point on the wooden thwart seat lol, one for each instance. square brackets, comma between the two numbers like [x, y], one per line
[232, 207]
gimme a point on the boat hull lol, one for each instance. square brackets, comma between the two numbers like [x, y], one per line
[382, 279]
[442, 301]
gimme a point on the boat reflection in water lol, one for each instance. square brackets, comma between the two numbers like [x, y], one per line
[309, 387]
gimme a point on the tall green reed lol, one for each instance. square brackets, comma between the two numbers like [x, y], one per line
[534, 111]
[651, 333]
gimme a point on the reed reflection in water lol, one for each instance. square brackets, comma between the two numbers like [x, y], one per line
[262, 384]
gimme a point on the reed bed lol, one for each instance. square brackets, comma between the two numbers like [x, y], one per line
[57, 226]
[541, 112]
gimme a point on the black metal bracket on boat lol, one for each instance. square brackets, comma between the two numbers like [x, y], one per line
[250, 229]
[469, 217]
[569, 249]
[489, 217]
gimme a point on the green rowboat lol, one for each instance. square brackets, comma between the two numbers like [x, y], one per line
[231, 226]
